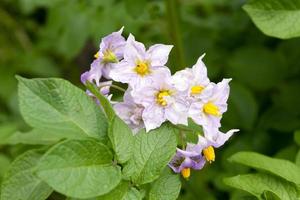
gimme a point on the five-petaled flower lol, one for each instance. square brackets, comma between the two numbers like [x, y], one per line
[141, 67]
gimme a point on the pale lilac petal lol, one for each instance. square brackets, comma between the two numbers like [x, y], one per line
[177, 113]
[216, 137]
[196, 113]
[158, 54]
[200, 72]
[114, 42]
[153, 117]
[134, 50]
[95, 73]
[181, 79]
[122, 72]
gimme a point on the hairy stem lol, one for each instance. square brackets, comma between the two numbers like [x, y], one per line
[173, 18]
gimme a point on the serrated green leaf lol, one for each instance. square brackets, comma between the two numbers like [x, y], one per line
[57, 106]
[20, 181]
[122, 139]
[282, 168]
[256, 184]
[166, 187]
[122, 192]
[79, 168]
[152, 151]
[33, 137]
[277, 18]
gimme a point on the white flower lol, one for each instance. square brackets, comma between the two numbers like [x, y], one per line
[140, 66]
[111, 51]
[162, 102]
[130, 112]
[208, 111]
[213, 138]
[193, 81]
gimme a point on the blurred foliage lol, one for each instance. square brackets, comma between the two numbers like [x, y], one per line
[58, 38]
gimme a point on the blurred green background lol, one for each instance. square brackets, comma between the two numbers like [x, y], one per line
[58, 38]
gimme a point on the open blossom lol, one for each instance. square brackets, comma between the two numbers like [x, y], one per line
[162, 102]
[193, 81]
[111, 51]
[213, 138]
[130, 112]
[187, 159]
[140, 66]
[208, 111]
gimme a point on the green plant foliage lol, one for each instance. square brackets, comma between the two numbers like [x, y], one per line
[152, 151]
[283, 168]
[278, 18]
[110, 113]
[88, 161]
[58, 38]
[257, 184]
[167, 187]
[20, 181]
[122, 139]
[69, 110]
[33, 137]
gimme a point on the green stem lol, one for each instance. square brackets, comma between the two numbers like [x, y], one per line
[114, 86]
[172, 7]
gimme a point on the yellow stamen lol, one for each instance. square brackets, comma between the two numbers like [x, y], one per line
[212, 109]
[186, 172]
[209, 154]
[197, 89]
[160, 97]
[97, 55]
[142, 68]
[109, 57]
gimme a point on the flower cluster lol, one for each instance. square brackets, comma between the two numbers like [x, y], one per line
[154, 95]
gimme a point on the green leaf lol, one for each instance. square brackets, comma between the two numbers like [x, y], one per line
[33, 137]
[20, 181]
[166, 187]
[268, 195]
[256, 184]
[110, 113]
[122, 192]
[79, 168]
[57, 106]
[122, 139]
[4, 164]
[152, 151]
[277, 18]
[282, 168]
[298, 159]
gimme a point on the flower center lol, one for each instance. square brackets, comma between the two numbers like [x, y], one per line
[186, 172]
[142, 68]
[109, 57]
[209, 154]
[197, 89]
[97, 55]
[212, 109]
[160, 97]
